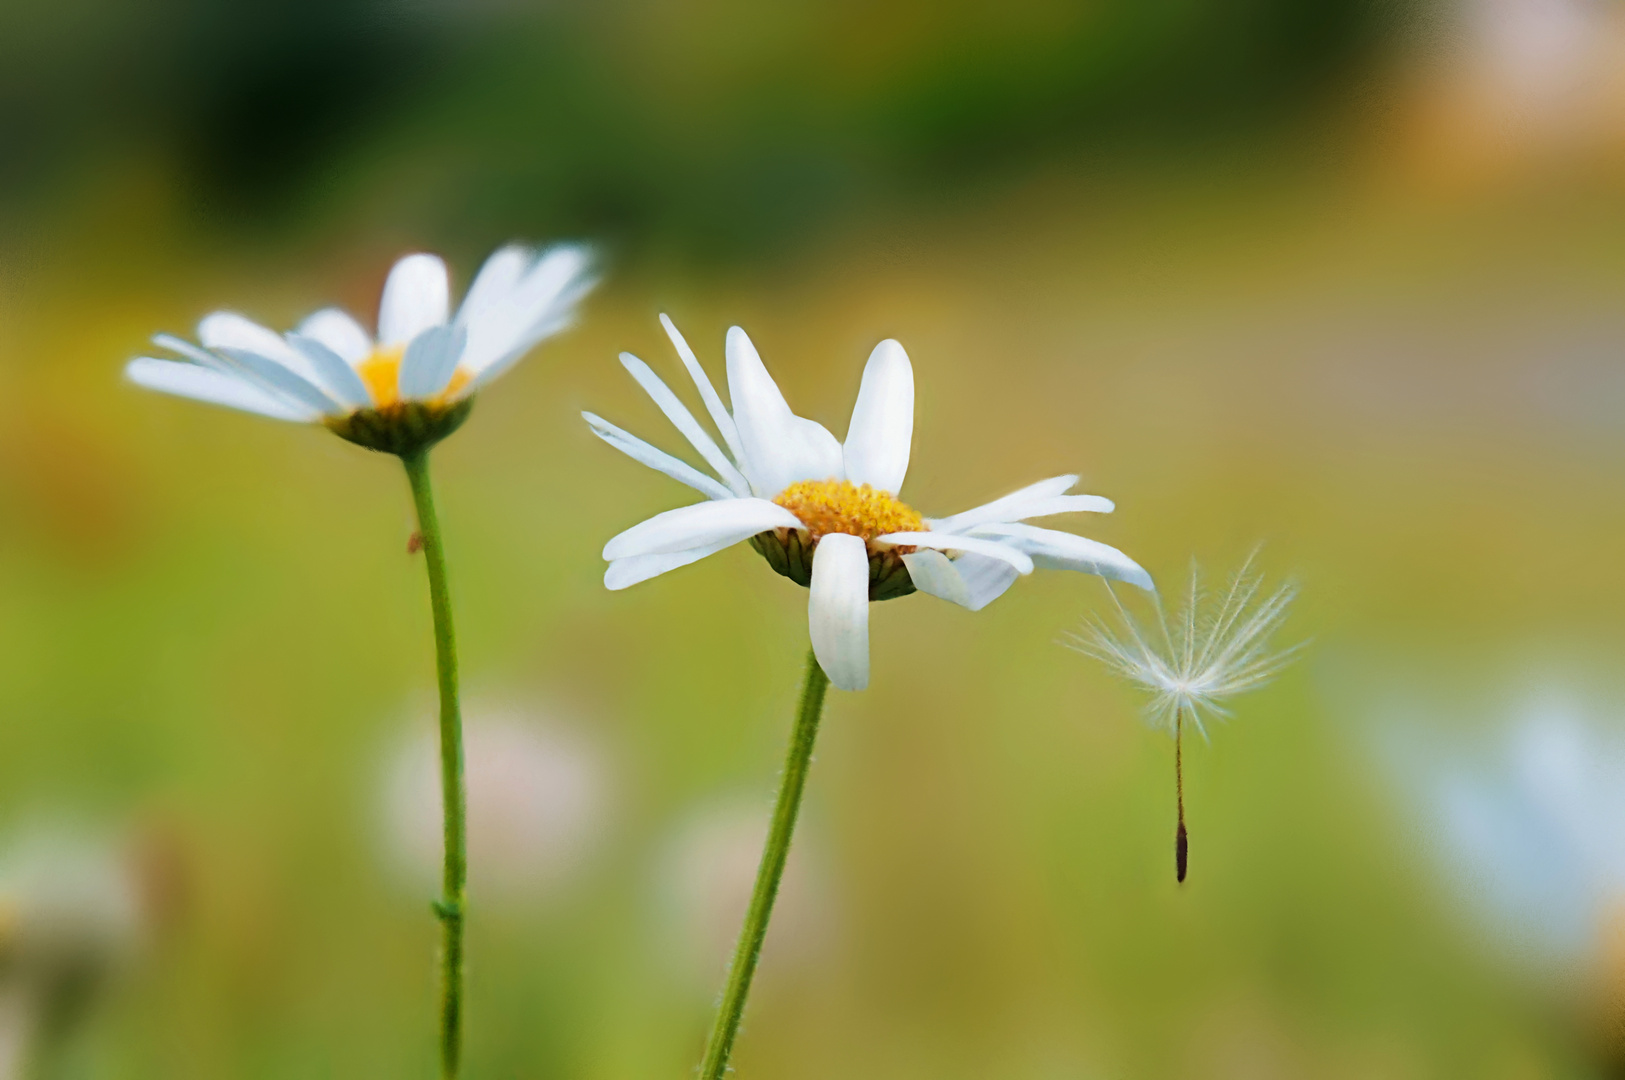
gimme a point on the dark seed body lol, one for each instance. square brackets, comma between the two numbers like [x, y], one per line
[1182, 849]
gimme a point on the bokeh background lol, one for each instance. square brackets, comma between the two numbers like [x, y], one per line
[1343, 277]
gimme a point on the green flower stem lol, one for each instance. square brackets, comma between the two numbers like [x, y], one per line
[451, 907]
[749, 949]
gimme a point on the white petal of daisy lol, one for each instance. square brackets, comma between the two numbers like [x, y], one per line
[489, 292]
[416, 297]
[933, 573]
[234, 334]
[1055, 550]
[971, 581]
[725, 521]
[227, 363]
[624, 573]
[684, 421]
[1059, 504]
[987, 579]
[882, 429]
[212, 386]
[657, 459]
[339, 332]
[280, 378]
[838, 609]
[429, 362]
[196, 355]
[517, 299]
[780, 447]
[951, 542]
[998, 508]
[720, 416]
[338, 378]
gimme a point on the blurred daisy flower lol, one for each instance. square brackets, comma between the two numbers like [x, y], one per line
[1536, 832]
[400, 393]
[1216, 647]
[1525, 822]
[826, 514]
[403, 391]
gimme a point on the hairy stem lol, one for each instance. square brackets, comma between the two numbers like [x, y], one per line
[450, 908]
[749, 949]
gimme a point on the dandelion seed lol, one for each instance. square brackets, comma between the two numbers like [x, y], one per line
[1215, 648]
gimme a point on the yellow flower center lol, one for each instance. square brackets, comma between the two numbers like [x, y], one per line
[381, 372]
[840, 506]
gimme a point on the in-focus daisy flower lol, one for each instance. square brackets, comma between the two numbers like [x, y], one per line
[1216, 647]
[826, 514]
[402, 391]
[399, 393]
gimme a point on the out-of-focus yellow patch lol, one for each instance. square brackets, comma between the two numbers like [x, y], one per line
[381, 373]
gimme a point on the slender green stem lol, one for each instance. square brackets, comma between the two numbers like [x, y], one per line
[1182, 844]
[451, 907]
[749, 949]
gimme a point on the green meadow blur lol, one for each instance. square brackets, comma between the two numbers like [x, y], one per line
[1268, 272]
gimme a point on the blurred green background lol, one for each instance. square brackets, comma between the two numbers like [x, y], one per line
[1342, 277]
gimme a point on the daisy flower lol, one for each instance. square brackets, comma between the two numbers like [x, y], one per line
[1214, 649]
[402, 391]
[826, 513]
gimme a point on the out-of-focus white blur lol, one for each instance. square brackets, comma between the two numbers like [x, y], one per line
[706, 874]
[537, 800]
[1528, 826]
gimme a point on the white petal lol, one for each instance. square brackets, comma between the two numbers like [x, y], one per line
[340, 333]
[638, 450]
[724, 522]
[971, 581]
[933, 573]
[517, 299]
[338, 378]
[838, 609]
[954, 542]
[780, 447]
[195, 354]
[708, 393]
[684, 420]
[624, 573]
[430, 361]
[280, 379]
[995, 510]
[416, 297]
[882, 428]
[233, 367]
[488, 293]
[1057, 504]
[227, 330]
[212, 386]
[1057, 550]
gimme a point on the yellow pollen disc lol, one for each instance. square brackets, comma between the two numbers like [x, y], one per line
[840, 506]
[381, 372]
